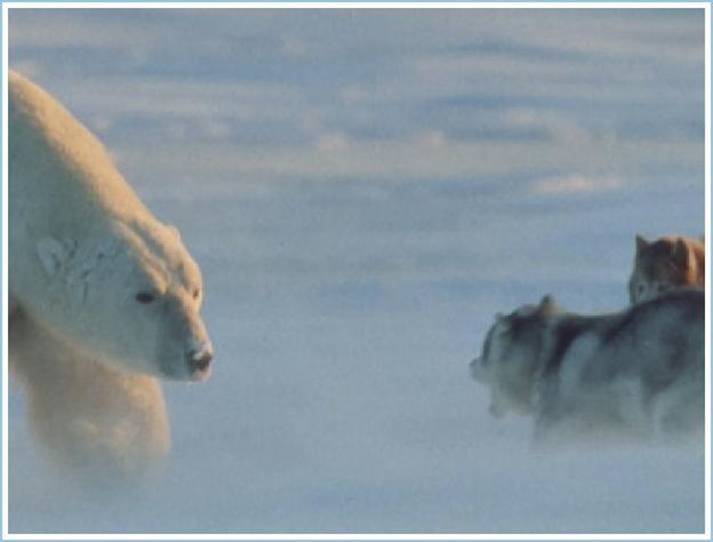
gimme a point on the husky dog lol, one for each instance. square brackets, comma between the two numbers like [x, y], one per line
[637, 373]
[668, 262]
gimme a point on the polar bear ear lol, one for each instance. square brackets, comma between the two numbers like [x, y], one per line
[52, 255]
[174, 230]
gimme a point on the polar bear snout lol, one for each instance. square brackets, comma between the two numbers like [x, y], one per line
[199, 360]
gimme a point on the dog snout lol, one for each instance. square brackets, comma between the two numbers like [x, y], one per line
[496, 411]
[476, 369]
[199, 360]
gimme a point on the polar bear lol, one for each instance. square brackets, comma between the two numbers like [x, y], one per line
[104, 298]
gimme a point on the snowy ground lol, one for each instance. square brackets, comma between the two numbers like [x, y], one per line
[363, 191]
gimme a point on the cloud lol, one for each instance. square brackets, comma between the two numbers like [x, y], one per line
[332, 142]
[52, 29]
[575, 184]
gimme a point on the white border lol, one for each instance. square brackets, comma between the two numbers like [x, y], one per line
[466, 4]
[368, 537]
[6, 6]
[707, 191]
[5, 290]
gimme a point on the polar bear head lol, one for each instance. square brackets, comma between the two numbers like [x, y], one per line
[131, 295]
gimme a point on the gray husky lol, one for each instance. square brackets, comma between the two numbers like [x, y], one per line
[636, 373]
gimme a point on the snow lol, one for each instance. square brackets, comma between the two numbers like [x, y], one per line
[364, 190]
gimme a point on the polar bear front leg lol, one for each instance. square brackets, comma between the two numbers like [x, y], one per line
[90, 417]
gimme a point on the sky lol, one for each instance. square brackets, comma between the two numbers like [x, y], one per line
[364, 190]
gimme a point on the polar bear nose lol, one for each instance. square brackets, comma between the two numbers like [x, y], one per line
[199, 362]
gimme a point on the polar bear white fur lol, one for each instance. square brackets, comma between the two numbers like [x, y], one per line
[96, 422]
[104, 298]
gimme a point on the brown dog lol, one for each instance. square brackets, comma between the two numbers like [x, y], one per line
[667, 263]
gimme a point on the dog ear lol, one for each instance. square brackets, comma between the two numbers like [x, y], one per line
[547, 305]
[680, 254]
[641, 243]
[52, 254]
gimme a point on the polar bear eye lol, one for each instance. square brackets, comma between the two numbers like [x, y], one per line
[144, 297]
[196, 293]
